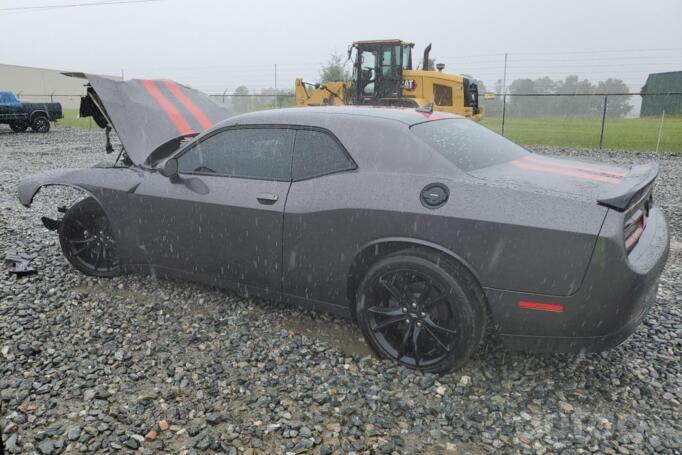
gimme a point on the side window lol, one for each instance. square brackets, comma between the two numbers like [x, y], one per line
[317, 153]
[260, 153]
[442, 95]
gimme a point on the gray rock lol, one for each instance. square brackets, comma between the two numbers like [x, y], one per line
[46, 447]
[132, 443]
[74, 433]
[11, 444]
[214, 418]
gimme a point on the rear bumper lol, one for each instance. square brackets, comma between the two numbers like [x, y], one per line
[616, 294]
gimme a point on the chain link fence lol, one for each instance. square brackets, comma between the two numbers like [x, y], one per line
[609, 121]
[612, 121]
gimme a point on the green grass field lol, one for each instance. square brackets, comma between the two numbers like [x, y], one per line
[71, 119]
[619, 133]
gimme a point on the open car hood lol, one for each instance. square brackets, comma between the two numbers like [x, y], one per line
[148, 114]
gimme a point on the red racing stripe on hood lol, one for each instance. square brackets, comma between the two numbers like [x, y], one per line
[563, 171]
[578, 167]
[173, 114]
[196, 112]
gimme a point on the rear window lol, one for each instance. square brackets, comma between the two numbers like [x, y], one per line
[466, 144]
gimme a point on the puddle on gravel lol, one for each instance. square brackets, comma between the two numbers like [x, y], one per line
[112, 291]
[343, 335]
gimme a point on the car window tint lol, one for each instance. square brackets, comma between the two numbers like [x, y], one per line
[466, 144]
[317, 153]
[261, 153]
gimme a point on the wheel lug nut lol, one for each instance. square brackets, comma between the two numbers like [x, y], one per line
[414, 304]
[419, 324]
[423, 314]
[407, 320]
[404, 309]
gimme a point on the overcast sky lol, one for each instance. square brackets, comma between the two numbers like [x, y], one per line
[216, 45]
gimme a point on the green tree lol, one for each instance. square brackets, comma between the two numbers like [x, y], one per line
[240, 101]
[576, 106]
[274, 98]
[617, 106]
[334, 70]
[531, 106]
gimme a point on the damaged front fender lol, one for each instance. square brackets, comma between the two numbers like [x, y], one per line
[91, 180]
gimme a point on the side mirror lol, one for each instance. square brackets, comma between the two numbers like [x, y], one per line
[170, 169]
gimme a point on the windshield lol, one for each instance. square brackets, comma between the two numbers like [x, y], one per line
[466, 144]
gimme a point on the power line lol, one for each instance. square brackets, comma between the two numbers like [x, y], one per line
[21, 9]
[612, 51]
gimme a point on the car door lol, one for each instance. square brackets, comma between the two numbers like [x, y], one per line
[221, 221]
[315, 217]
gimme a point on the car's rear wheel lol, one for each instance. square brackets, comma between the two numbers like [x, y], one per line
[40, 124]
[18, 127]
[420, 310]
[87, 241]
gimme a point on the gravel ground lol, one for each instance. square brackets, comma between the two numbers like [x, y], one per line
[135, 363]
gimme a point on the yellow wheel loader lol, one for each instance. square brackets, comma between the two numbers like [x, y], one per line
[383, 76]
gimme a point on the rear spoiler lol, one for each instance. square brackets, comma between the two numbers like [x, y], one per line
[631, 189]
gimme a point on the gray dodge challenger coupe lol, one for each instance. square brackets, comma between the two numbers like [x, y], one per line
[426, 228]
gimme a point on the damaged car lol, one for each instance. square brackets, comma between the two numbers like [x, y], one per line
[426, 228]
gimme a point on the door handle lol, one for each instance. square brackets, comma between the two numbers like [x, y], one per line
[267, 198]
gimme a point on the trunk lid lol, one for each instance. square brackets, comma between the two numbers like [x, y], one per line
[148, 114]
[611, 186]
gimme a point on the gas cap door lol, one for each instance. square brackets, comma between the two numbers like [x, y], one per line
[434, 195]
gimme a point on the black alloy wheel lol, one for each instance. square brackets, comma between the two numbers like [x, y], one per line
[40, 124]
[422, 312]
[87, 240]
[19, 126]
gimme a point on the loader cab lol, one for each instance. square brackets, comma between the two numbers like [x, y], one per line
[378, 70]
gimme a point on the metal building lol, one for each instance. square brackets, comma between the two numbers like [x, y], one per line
[655, 105]
[41, 84]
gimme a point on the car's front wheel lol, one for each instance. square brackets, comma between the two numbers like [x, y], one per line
[87, 241]
[421, 310]
[40, 124]
[18, 127]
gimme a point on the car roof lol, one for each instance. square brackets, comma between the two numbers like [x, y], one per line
[407, 116]
[377, 138]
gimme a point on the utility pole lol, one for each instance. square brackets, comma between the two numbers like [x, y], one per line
[504, 92]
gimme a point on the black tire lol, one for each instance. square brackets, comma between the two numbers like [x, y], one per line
[40, 124]
[18, 127]
[87, 241]
[415, 295]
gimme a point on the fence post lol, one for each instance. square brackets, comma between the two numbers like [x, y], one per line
[603, 120]
[504, 92]
[504, 110]
[660, 130]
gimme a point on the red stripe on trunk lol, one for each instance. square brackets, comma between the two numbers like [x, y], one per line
[173, 114]
[562, 171]
[196, 112]
[553, 307]
[583, 168]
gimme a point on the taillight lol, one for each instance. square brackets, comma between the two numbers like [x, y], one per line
[633, 231]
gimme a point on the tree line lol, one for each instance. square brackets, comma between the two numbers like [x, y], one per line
[559, 106]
